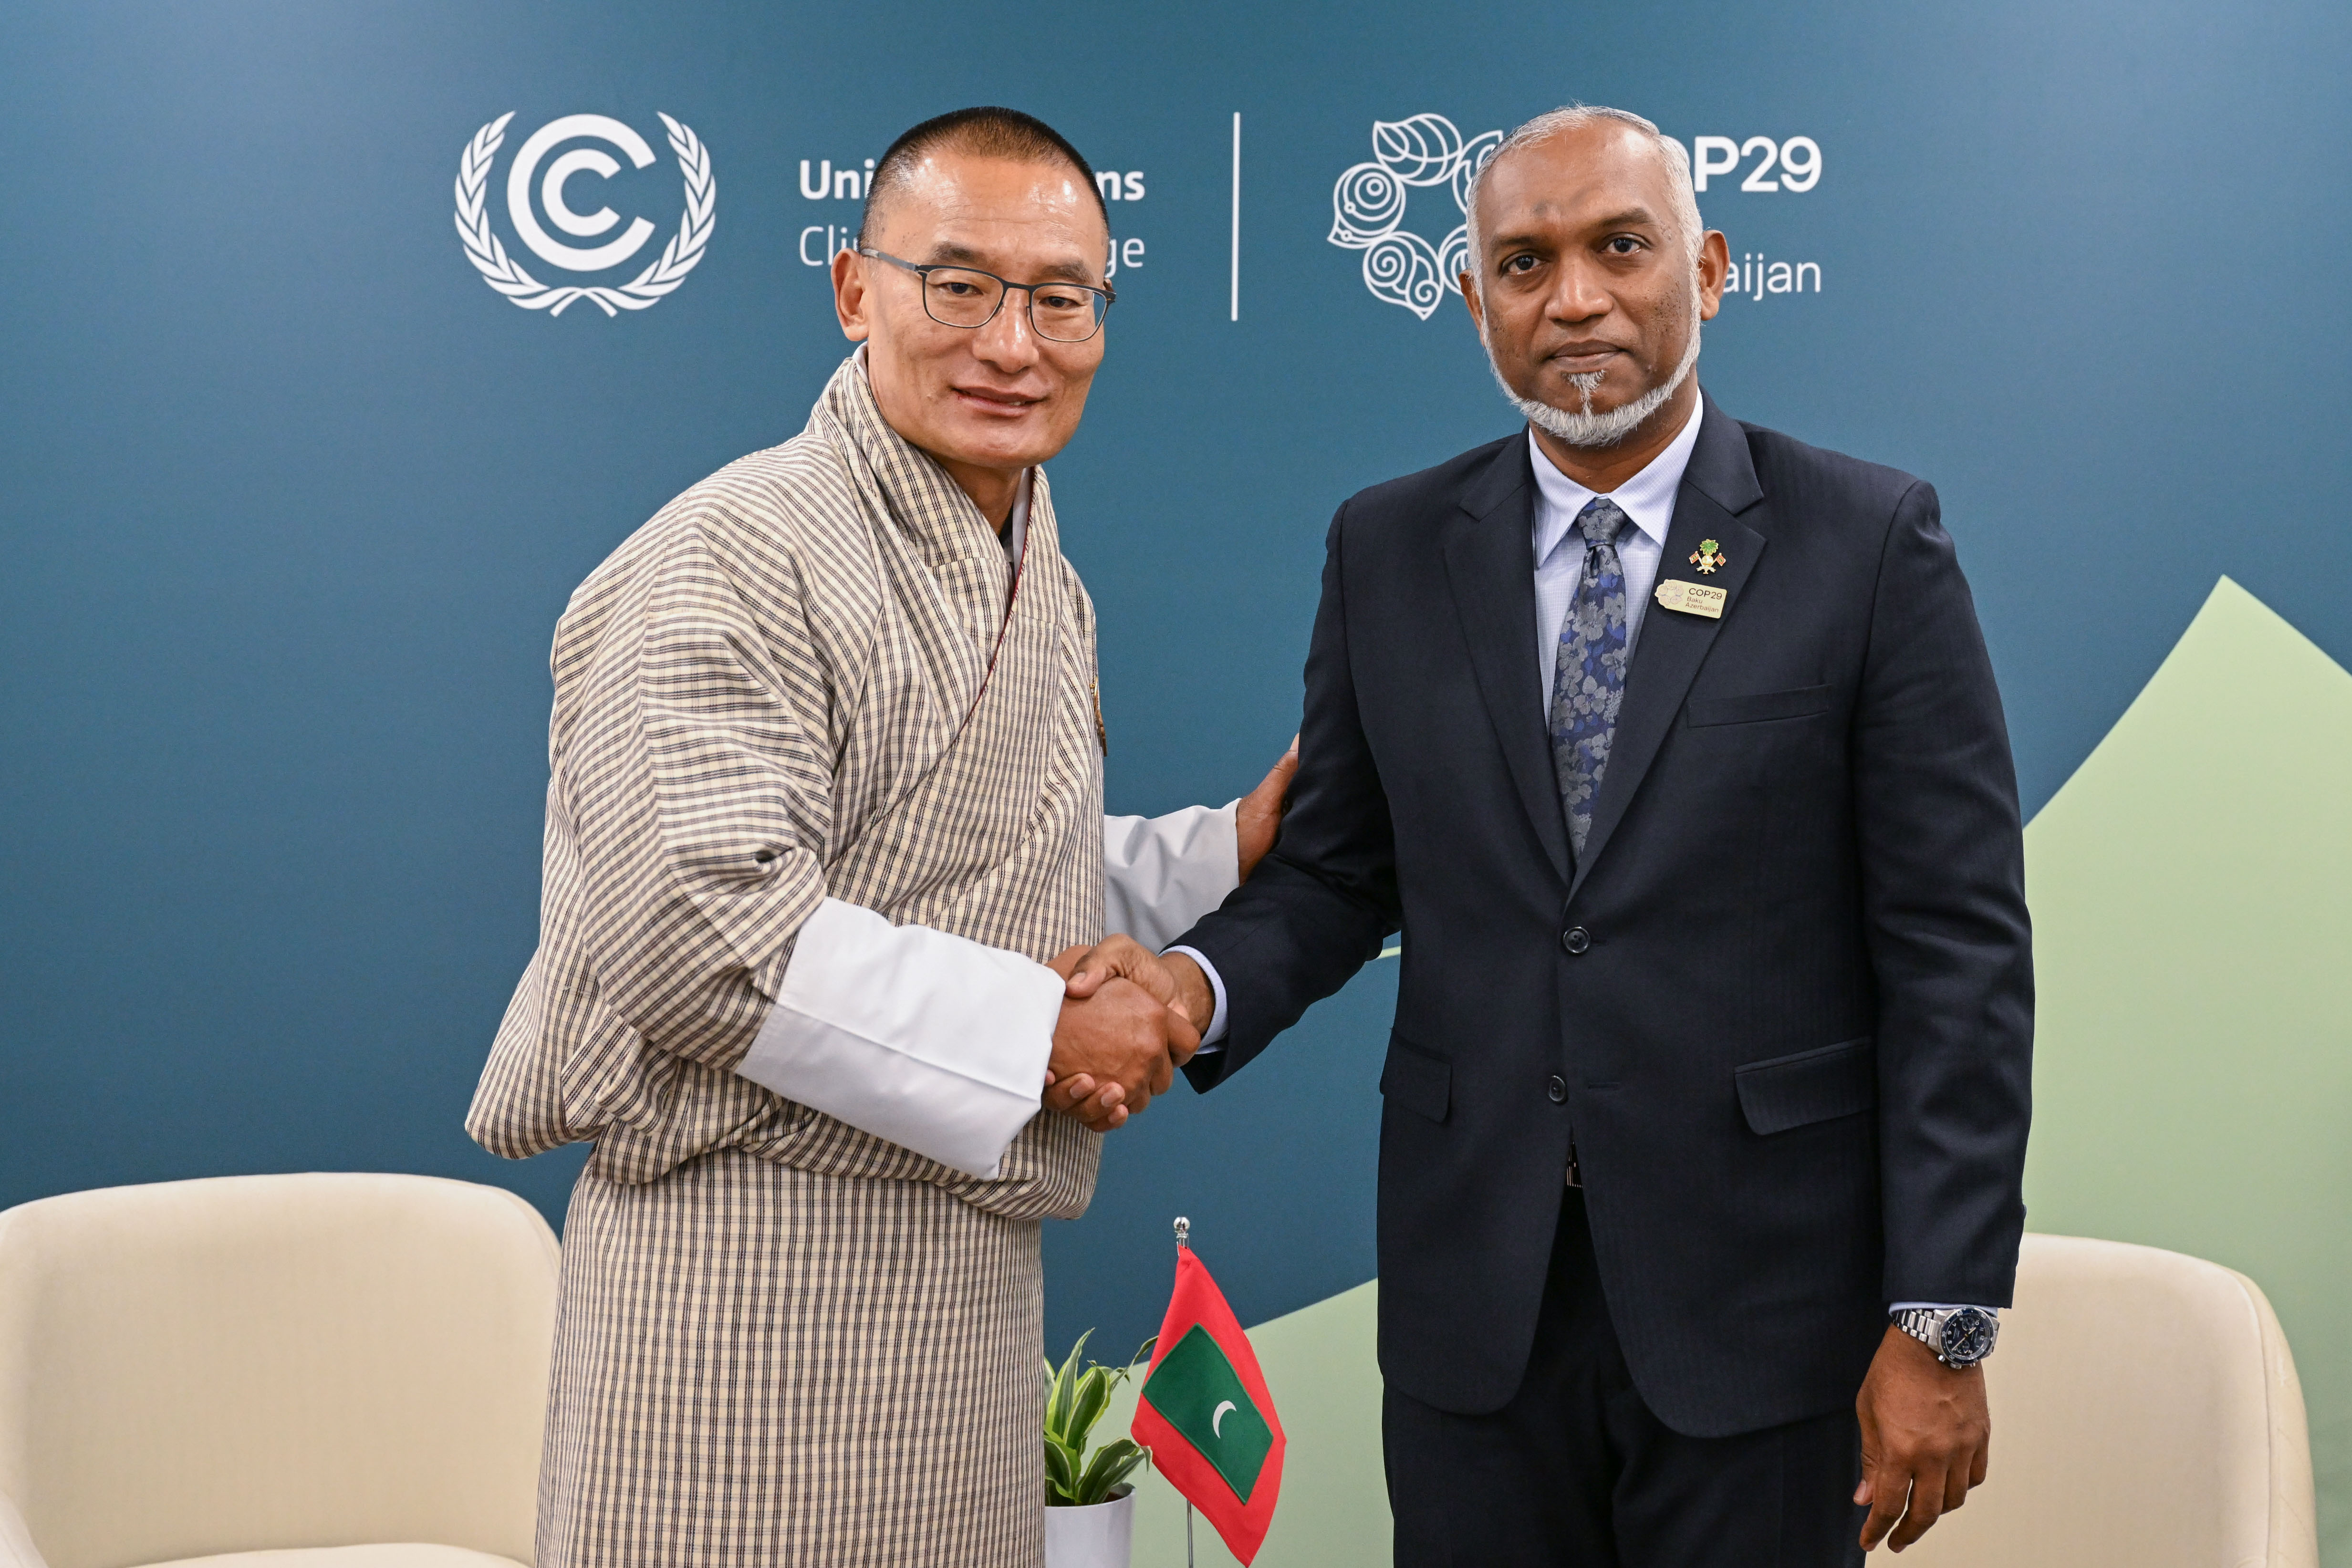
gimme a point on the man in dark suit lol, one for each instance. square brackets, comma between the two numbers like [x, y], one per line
[1671, 747]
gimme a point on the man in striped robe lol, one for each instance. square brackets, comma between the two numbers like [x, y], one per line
[825, 807]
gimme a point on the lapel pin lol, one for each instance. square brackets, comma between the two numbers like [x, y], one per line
[1708, 556]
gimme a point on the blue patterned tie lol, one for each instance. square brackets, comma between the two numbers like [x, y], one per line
[1589, 680]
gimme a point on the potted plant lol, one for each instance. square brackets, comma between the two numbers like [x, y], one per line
[1089, 1506]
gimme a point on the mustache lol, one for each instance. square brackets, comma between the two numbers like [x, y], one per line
[1583, 427]
[1589, 431]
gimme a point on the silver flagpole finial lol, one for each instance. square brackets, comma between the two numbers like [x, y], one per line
[1184, 1233]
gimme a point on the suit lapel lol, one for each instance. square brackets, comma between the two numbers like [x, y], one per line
[1718, 484]
[1490, 568]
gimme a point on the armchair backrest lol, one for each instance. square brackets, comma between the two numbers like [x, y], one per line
[255, 1362]
[2146, 1413]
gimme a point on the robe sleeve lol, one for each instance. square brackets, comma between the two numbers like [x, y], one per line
[698, 791]
[934, 1041]
[1162, 874]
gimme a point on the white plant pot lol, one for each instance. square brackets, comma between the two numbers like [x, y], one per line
[1100, 1535]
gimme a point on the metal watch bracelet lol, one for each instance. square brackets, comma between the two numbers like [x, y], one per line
[1961, 1337]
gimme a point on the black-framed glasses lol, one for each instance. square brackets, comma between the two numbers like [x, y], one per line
[967, 296]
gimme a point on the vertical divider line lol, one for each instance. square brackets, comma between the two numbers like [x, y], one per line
[1237, 217]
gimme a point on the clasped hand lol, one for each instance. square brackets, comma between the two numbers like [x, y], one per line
[1131, 1018]
[1122, 1034]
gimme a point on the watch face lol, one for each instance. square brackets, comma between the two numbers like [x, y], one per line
[1968, 1336]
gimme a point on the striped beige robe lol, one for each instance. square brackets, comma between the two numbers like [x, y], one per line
[783, 1341]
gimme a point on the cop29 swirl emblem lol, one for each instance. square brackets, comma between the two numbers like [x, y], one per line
[1367, 208]
[525, 180]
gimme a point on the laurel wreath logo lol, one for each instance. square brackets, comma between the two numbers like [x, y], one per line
[649, 287]
[1368, 209]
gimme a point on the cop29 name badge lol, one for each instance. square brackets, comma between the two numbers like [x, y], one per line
[527, 180]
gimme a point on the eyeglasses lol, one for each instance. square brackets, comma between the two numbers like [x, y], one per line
[967, 296]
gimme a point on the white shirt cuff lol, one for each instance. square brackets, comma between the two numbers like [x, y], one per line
[1937, 1307]
[1161, 874]
[935, 1042]
[1213, 1036]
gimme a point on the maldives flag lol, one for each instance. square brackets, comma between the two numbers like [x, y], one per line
[1205, 1415]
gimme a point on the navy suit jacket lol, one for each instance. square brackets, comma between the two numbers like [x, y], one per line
[1782, 1003]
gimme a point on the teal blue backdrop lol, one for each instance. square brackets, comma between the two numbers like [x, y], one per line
[290, 498]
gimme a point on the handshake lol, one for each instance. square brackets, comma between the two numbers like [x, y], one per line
[1129, 1019]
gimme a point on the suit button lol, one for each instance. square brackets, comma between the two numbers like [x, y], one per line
[1576, 939]
[1558, 1090]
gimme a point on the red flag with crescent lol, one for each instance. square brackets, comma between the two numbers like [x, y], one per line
[1206, 1414]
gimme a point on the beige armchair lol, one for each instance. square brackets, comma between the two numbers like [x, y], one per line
[301, 1371]
[2145, 1415]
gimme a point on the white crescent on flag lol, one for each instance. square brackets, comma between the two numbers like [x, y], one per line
[1217, 1421]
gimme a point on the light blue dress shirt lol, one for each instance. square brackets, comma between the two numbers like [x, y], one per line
[1647, 500]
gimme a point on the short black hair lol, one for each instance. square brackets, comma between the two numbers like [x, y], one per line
[986, 131]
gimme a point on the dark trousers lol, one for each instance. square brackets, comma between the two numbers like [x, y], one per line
[1576, 1472]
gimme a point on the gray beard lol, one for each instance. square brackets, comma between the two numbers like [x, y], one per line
[1586, 429]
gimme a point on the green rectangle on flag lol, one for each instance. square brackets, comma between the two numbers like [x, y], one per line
[1198, 1392]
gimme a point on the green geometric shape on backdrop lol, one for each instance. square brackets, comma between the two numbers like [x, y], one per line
[2192, 888]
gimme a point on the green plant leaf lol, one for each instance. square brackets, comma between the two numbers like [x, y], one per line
[1060, 1475]
[1057, 1406]
[1093, 1398]
[1113, 1463]
[1075, 1401]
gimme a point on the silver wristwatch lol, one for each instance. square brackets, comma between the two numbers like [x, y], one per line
[1960, 1336]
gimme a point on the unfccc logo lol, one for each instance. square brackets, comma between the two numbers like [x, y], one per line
[505, 274]
[1368, 209]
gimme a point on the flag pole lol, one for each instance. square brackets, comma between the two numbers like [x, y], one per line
[1184, 1240]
